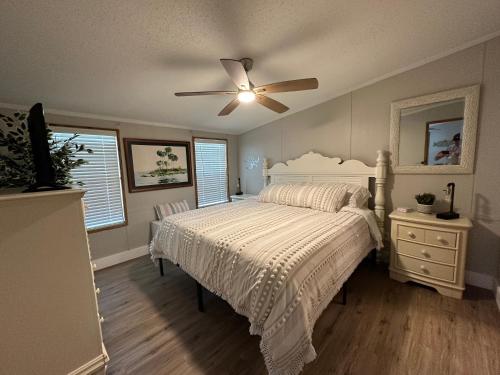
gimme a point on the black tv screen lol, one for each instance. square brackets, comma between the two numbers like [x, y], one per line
[45, 173]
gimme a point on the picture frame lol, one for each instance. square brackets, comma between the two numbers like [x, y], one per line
[441, 136]
[154, 164]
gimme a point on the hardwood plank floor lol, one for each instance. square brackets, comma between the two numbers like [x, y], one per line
[152, 326]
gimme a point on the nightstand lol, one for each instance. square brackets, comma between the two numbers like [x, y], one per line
[242, 197]
[430, 251]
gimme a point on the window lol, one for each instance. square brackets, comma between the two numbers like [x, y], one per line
[210, 157]
[101, 176]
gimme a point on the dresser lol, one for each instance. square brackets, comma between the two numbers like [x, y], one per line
[49, 320]
[430, 251]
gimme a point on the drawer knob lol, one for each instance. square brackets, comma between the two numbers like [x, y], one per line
[101, 319]
[98, 291]
[424, 269]
[94, 266]
[439, 238]
[424, 252]
[411, 234]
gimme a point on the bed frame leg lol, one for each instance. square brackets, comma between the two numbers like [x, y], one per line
[199, 292]
[344, 294]
[160, 262]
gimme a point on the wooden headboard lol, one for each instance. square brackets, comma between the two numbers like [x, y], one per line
[314, 167]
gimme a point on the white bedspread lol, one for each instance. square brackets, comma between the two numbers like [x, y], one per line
[278, 265]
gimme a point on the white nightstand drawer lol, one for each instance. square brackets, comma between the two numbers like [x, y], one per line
[424, 252]
[411, 233]
[427, 269]
[439, 238]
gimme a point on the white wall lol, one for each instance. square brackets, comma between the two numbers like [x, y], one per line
[355, 125]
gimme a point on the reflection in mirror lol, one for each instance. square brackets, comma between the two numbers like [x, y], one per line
[431, 134]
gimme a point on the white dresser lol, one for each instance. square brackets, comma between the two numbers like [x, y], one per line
[429, 251]
[49, 320]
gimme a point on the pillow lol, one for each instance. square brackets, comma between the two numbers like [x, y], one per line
[358, 196]
[166, 209]
[288, 194]
[329, 197]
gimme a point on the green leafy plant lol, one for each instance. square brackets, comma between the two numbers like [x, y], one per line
[425, 198]
[165, 156]
[16, 160]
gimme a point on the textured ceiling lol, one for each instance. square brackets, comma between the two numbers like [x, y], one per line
[127, 58]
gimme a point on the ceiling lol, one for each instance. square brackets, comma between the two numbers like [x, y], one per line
[126, 58]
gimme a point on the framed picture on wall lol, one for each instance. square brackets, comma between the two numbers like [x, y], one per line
[156, 164]
[443, 142]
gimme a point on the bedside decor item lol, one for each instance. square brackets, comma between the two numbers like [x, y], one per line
[30, 156]
[450, 196]
[238, 187]
[429, 251]
[425, 202]
[156, 164]
[436, 133]
[251, 162]
[404, 209]
[241, 197]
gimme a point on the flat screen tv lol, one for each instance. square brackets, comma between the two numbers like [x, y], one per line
[45, 175]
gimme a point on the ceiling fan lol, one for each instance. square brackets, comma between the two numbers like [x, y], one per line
[247, 92]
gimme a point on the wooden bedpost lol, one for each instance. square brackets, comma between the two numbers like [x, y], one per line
[380, 181]
[265, 173]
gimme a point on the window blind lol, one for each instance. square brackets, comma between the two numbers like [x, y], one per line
[211, 171]
[101, 175]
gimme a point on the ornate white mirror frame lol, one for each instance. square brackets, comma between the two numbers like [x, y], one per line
[468, 143]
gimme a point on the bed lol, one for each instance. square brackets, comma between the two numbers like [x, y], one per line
[279, 265]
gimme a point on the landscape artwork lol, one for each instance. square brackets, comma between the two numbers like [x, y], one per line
[154, 164]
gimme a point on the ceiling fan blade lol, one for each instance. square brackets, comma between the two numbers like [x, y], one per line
[295, 85]
[272, 104]
[237, 73]
[230, 107]
[197, 93]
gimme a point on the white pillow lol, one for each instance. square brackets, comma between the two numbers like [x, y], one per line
[358, 196]
[166, 209]
[329, 197]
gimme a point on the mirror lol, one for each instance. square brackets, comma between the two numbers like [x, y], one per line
[431, 134]
[435, 133]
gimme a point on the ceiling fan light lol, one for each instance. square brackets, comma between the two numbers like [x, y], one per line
[246, 96]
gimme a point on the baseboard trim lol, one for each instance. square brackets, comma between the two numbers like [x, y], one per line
[480, 280]
[92, 366]
[118, 258]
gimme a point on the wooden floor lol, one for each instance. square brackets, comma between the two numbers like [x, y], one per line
[152, 326]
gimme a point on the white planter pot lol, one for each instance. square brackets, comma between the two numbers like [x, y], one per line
[424, 208]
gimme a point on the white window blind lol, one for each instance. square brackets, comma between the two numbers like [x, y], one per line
[101, 175]
[211, 171]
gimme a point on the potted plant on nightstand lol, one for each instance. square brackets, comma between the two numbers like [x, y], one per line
[425, 202]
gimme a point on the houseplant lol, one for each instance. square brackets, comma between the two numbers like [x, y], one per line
[16, 160]
[425, 202]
